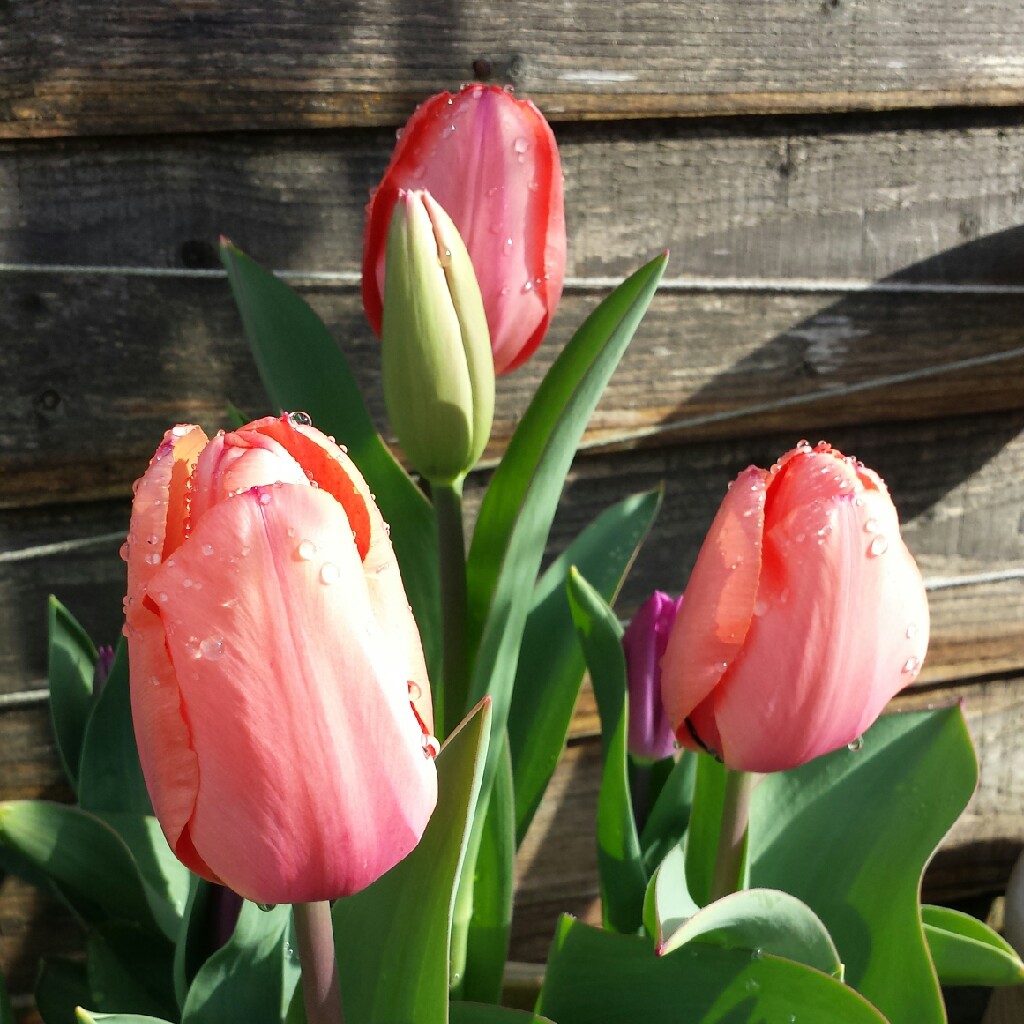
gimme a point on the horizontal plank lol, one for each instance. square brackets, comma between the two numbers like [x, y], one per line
[921, 199]
[959, 484]
[95, 368]
[71, 68]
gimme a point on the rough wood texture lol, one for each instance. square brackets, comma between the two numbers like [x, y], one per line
[93, 68]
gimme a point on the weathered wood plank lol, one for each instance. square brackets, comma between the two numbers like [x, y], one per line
[921, 198]
[89, 68]
[95, 368]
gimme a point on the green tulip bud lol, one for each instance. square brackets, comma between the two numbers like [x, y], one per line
[437, 367]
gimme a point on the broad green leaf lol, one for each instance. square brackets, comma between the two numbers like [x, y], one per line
[92, 1017]
[61, 986]
[252, 977]
[849, 835]
[668, 900]
[72, 661]
[493, 890]
[303, 369]
[110, 777]
[202, 933]
[516, 513]
[551, 663]
[758, 919]
[705, 826]
[129, 969]
[597, 977]
[966, 951]
[392, 938]
[667, 823]
[619, 860]
[482, 1013]
[84, 860]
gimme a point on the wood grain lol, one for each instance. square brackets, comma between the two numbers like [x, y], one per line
[87, 67]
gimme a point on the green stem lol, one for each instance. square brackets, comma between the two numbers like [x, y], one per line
[314, 937]
[732, 839]
[452, 553]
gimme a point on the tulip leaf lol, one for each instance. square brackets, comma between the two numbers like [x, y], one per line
[392, 938]
[6, 1013]
[72, 662]
[482, 1013]
[60, 987]
[598, 977]
[849, 835]
[130, 968]
[551, 663]
[670, 816]
[668, 898]
[251, 977]
[111, 776]
[76, 855]
[705, 825]
[619, 859]
[517, 510]
[966, 951]
[303, 369]
[90, 1016]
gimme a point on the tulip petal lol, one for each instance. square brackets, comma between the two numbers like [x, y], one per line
[836, 578]
[297, 704]
[718, 603]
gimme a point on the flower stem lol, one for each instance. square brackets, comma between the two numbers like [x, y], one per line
[452, 553]
[732, 839]
[314, 936]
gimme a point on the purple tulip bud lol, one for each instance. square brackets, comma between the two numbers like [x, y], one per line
[644, 643]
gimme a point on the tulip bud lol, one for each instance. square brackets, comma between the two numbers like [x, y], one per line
[491, 161]
[436, 358]
[651, 735]
[805, 613]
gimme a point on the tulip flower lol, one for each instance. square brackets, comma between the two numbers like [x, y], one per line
[651, 736]
[804, 615]
[491, 161]
[436, 357]
[278, 688]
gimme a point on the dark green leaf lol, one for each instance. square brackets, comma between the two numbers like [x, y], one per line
[6, 1013]
[849, 835]
[619, 860]
[303, 369]
[667, 823]
[72, 661]
[92, 1017]
[252, 977]
[61, 986]
[111, 776]
[597, 977]
[392, 938]
[551, 664]
[967, 952]
[705, 826]
[481, 1013]
[129, 970]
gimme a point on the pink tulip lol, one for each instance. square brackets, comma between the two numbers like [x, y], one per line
[278, 688]
[651, 735]
[491, 161]
[804, 615]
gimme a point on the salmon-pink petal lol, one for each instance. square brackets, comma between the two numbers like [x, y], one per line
[312, 775]
[169, 763]
[841, 625]
[718, 602]
[158, 510]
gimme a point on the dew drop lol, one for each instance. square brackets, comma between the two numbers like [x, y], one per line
[760, 607]
[136, 485]
[911, 665]
[162, 596]
[528, 287]
[445, 258]
[266, 907]
[186, 582]
[857, 745]
[231, 602]
[757, 954]
[415, 692]
[180, 430]
[431, 748]
[212, 648]
[245, 550]
[912, 631]
[154, 680]
[872, 526]
[398, 133]
[124, 551]
[306, 550]
[533, 186]
[291, 531]
[878, 546]
[300, 419]
[329, 573]
[492, 191]
[506, 247]
[752, 985]
[521, 145]
[266, 498]
[192, 646]
[207, 549]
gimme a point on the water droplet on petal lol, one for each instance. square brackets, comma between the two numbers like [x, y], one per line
[857, 745]
[266, 498]
[911, 665]
[212, 648]
[300, 419]
[878, 546]
[207, 549]
[162, 597]
[329, 573]
[123, 552]
[231, 602]
[245, 550]
[179, 431]
[445, 258]
[306, 550]
[154, 680]
[186, 583]
[415, 692]
[192, 646]
[872, 526]
[528, 287]
[431, 748]
[521, 145]
[912, 631]
[506, 247]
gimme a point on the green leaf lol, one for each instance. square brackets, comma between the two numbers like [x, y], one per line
[516, 513]
[83, 859]
[72, 662]
[667, 823]
[551, 663]
[392, 938]
[130, 969]
[597, 977]
[967, 952]
[250, 978]
[619, 860]
[92, 1017]
[61, 986]
[493, 890]
[303, 369]
[111, 776]
[6, 1013]
[849, 835]
[705, 826]
[668, 900]
[482, 1013]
